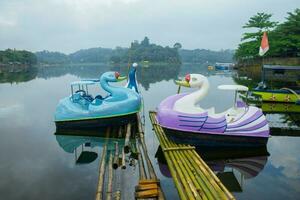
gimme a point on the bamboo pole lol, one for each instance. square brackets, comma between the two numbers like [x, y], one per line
[195, 172]
[117, 193]
[110, 178]
[142, 171]
[99, 195]
[224, 189]
[182, 193]
[149, 164]
[200, 178]
[120, 132]
[123, 165]
[99, 192]
[186, 181]
[144, 148]
[180, 155]
[216, 195]
[116, 157]
[127, 138]
[140, 129]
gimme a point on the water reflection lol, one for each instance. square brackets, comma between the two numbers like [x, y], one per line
[17, 77]
[232, 166]
[39, 163]
[153, 73]
[146, 75]
[86, 147]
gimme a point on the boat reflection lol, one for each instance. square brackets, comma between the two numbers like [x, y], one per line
[232, 166]
[86, 144]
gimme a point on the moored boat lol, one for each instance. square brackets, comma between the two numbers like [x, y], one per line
[283, 94]
[183, 119]
[82, 110]
[224, 66]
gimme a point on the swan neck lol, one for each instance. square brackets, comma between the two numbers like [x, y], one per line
[104, 84]
[201, 92]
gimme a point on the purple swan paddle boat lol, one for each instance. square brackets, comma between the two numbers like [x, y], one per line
[186, 122]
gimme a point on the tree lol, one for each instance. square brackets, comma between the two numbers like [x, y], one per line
[251, 40]
[260, 21]
[177, 45]
[145, 42]
[286, 37]
[17, 56]
[145, 51]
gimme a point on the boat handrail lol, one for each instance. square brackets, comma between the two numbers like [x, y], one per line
[292, 91]
[280, 67]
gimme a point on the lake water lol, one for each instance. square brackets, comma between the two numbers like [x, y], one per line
[35, 163]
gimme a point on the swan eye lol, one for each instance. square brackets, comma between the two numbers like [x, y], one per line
[194, 79]
[117, 74]
[188, 78]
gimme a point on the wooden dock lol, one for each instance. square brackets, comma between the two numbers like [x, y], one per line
[191, 175]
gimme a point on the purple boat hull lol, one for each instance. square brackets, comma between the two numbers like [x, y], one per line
[251, 127]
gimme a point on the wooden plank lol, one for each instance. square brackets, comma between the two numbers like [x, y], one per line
[148, 181]
[147, 194]
[146, 187]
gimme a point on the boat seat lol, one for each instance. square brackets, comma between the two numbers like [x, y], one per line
[88, 97]
[99, 97]
[233, 114]
[211, 111]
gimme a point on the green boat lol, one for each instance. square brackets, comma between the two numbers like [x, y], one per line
[284, 94]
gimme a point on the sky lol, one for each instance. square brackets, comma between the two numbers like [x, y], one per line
[70, 25]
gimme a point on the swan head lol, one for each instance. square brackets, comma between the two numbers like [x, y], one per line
[192, 81]
[112, 77]
[134, 65]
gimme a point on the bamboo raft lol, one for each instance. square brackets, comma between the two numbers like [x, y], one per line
[191, 175]
[148, 185]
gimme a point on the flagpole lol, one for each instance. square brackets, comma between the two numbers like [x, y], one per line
[264, 47]
[263, 71]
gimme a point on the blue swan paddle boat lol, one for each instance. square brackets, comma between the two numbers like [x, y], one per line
[82, 110]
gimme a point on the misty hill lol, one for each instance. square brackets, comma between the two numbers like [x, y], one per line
[92, 55]
[48, 57]
[145, 51]
[204, 55]
[13, 57]
[138, 52]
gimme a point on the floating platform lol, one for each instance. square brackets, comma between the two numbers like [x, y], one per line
[122, 147]
[191, 175]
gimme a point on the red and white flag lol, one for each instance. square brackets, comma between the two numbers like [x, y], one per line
[264, 45]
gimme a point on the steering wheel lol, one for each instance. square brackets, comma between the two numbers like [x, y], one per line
[81, 92]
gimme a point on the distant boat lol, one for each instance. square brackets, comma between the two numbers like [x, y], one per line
[210, 67]
[224, 66]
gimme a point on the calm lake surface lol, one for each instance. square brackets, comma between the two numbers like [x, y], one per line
[35, 163]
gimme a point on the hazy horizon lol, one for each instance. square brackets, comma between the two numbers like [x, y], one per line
[70, 25]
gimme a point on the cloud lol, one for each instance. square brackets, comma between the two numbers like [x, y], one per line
[68, 25]
[285, 157]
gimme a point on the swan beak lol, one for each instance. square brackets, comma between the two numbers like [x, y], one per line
[121, 78]
[183, 83]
